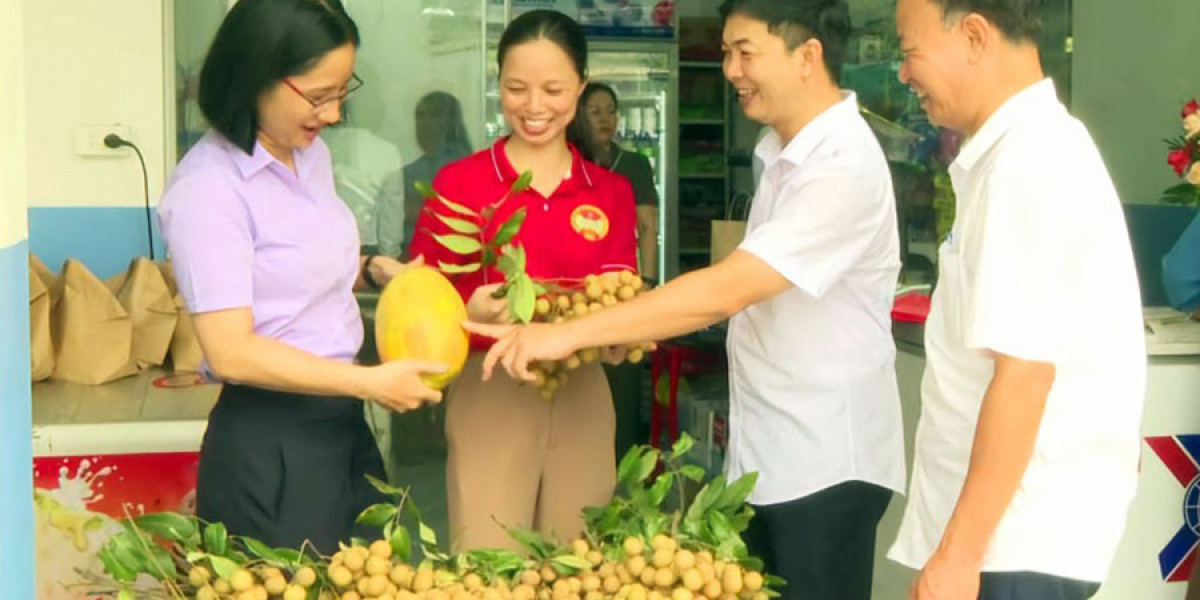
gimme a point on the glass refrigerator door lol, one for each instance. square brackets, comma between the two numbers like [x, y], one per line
[643, 76]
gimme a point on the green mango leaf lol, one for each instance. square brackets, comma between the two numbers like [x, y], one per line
[692, 472]
[707, 496]
[459, 225]
[385, 487]
[537, 546]
[508, 266]
[115, 569]
[539, 289]
[376, 515]
[646, 465]
[658, 492]
[774, 581]
[425, 190]
[522, 183]
[509, 229]
[195, 557]
[410, 508]
[401, 542]
[522, 300]
[164, 569]
[628, 468]
[735, 495]
[451, 269]
[259, 549]
[427, 534]
[291, 557]
[719, 525]
[223, 567]
[125, 594]
[169, 526]
[569, 564]
[459, 244]
[359, 542]
[752, 563]
[458, 208]
[682, 445]
[489, 256]
[741, 519]
[216, 538]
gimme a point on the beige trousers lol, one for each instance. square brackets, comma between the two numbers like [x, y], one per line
[520, 461]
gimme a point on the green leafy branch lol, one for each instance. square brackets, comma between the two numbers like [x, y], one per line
[469, 238]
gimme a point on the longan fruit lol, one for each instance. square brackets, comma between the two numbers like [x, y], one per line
[241, 580]
[753, 580]
[591, 583]
[354, 561]
[595, 556]
[594, 291]
[625, 293]
[580, 309]
[198, 576]
[636, 564]
[472, 581]
[637, 592]
[608, 300]
[351, 595]
[548, 574]
[605, 569]
[704, 557]
[731, 579]
[611, 584]
[662, 541]
[684, 560]
[542, 306]
[573, 361]
[206, 592]
[222, 587]
[681, 594]
[664, 578]
[692, 579]
[633, 545]
[663, 558]
[377, 565]
[305, 577]
[580, 547]
[635, 356]
[275, 585]
[341, 576]
[595, 306]
[712, 589]
[647, 577]
[589, 355]
[294, 592]
[401, 575]
[525, 591]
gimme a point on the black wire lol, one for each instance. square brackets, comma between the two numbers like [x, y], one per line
[146, 196]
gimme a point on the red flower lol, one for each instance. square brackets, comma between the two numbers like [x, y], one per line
[1180, 160]
[1190, 108]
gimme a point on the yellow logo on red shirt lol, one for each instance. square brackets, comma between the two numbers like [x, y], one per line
[589, 222]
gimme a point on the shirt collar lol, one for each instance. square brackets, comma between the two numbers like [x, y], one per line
[506, 173]
[771, 148]
[1022, 106]
[250, 164]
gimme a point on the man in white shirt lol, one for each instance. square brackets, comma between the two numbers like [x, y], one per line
[1027, 448]
[814, 406]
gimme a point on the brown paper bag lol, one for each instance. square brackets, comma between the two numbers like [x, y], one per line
[727, 234]
[92, 333]
[144, 294]
[185, 351]
[41, 347]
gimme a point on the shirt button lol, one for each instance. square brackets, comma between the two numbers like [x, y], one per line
[545, 208]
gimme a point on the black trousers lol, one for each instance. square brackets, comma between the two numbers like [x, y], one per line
[285, 468]
[822, 544]
[1028, 585]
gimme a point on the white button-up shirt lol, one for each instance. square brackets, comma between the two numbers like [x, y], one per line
[813, 397]
[1038, 266]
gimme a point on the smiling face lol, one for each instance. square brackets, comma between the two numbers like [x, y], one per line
[937, 62]
[287, 119]
[769, 79]
[539, 92]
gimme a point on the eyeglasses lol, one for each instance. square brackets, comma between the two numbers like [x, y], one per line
[353, 85]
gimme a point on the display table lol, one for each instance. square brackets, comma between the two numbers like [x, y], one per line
[1154, 558]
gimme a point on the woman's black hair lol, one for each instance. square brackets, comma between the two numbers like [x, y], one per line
[546, 25]
[258, 44]
[455, 139]
[578, 132]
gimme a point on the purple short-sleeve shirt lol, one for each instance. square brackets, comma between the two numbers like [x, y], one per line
[246, 231]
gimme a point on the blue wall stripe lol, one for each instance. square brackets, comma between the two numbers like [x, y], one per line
[104, 239]
[16, 436]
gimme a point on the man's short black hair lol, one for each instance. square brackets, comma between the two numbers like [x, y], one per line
[258, 44]
[1019, 20]
[797, 21]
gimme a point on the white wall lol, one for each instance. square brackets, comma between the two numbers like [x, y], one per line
[93, 62]
[13, 172]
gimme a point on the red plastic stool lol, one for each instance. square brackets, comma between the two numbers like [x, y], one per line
[678, 359]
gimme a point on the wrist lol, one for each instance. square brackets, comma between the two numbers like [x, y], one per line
[366, 272]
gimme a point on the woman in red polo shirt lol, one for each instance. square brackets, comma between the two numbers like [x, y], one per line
[515, 459]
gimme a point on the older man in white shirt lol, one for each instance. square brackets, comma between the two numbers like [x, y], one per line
[814, 407]
[1027, 449]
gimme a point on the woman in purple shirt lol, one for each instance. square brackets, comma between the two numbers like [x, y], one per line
[267, 259]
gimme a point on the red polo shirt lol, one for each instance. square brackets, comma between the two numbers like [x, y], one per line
[588, 225]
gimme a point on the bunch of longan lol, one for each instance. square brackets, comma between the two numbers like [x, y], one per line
[599, 292]
[259, 582]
